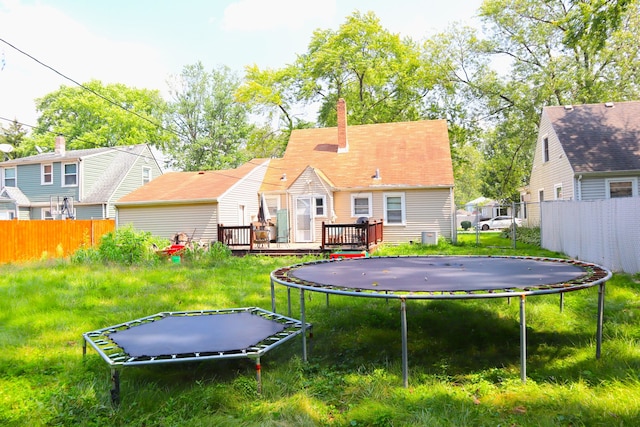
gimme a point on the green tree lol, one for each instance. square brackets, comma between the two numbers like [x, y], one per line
[213, 126]
[380, 75]
[13, 135]
[97, 115]
[558, 53]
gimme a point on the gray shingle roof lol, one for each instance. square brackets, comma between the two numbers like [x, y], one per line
[599, 137]
[14, 194]
[113, 175]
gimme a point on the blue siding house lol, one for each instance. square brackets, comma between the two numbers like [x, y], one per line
[80, 184]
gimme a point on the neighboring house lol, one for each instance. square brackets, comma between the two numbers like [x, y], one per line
[400, 173]
[194, 202]
[585, 152]
[81, 184]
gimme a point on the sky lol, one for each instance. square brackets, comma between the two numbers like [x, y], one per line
[142, 43]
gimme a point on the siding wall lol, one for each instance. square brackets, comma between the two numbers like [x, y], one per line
[246, 193]
[546, 175]
[197, 220]
[426, 210]
[133, 179]
[29, 182]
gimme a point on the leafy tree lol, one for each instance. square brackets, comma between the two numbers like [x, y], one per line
[97, 115]
[13, 135]
[559, 52]
[380, 76]
[213, 126]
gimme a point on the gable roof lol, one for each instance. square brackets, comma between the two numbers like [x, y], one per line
[187, 187]
[50, 157]
[599, 137]
[406, 154]
[113, 175]
[14, 194]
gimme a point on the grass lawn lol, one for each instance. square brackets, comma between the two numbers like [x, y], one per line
[464, 356]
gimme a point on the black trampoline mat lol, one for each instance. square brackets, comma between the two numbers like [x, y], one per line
[438, 274]
[196, 334]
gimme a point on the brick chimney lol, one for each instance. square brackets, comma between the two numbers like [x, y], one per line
[60, 145]
[343, 143]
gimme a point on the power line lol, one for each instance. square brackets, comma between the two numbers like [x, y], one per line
[88, 89]
[118, 148]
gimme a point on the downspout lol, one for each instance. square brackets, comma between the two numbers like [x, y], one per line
[579, 198]
[454, 218]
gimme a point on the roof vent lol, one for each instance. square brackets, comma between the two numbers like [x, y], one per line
[568, 107]
[608, 104]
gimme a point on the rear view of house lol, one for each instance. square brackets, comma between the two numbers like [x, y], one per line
[80, 184]
[398, 173]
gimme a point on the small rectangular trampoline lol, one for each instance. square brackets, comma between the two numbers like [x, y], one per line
[190, 336]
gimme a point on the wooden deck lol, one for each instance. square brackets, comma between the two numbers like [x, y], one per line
[245, 239]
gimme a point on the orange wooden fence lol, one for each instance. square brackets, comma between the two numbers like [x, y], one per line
[35, 239]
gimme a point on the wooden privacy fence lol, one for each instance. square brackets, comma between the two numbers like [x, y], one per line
[35, 239]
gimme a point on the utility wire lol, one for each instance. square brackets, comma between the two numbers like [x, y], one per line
[88, 89]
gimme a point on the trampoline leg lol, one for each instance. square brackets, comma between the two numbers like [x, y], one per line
[327, 300]
[273, 297]
[115, 390]
[523, 341]
[304, 326]
[259, 375]
[405, 357]
[561, 302]
[600, 319]
[289, 301]
[84, 348]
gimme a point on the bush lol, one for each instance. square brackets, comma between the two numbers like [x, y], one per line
[465, 225]
[124, 246]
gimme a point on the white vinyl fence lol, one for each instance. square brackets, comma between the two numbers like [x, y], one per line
[605, 232]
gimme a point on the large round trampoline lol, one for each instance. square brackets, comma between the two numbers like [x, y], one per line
[443, 277]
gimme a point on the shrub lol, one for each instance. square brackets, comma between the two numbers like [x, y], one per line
[465, 225]
[124, 245]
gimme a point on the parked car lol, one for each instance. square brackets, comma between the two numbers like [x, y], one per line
[498, 222]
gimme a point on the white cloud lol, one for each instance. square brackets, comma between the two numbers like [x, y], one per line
[260, 15]
[68, 47]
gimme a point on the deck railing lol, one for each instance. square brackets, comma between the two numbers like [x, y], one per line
[363, 235]
[242, 236]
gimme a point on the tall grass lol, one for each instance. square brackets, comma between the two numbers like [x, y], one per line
[463, 355]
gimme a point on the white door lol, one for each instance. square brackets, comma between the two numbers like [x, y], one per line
[303, 220]
[242, 215]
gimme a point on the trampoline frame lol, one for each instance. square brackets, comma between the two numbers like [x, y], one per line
[594, 275]
[117, 358]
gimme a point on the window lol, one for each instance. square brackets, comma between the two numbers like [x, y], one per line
[45, 213]
[7, 215]
[146, 175]
[319, 205]
[70, 175]
[273, 204]
[394, 208]
[623, 187]
[545, 149]
[9, 177]
[557, 191]
[361, 205]
[47, 175]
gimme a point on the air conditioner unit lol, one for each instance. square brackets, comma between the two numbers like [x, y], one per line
[429, 237]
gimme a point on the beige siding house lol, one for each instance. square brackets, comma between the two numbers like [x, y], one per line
[398, 173]
[194, 202]
[585, 152]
